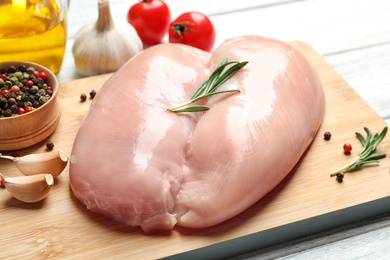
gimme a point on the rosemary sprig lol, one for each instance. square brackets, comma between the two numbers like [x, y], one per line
[368, 154]
[209, 86]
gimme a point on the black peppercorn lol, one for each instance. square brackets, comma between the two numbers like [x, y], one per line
[36, 104]
[340, 176]
[3, 102]
[92, 94]
[327, 136]
[14, 109]
[7, 112]
[49, 146]
[11, 69]
[23, 68]
[83, 97]
[32, 91]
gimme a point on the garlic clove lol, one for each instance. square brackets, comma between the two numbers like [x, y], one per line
[51, 162]
[29, 189]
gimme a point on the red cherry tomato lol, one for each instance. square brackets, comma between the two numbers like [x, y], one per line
[150, 18]
[347, 148]
[193, 28]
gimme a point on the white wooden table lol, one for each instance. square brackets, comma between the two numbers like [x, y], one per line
[352, 35]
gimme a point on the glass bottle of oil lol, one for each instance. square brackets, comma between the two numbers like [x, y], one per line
[33, 30]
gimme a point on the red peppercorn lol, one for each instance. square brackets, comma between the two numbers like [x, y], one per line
[2, 185]
[35, 73]
[28, 109]
[21, 111]
[347, 148]
[5, 92]
[3, 76]
[29, 83]
[15, 89]
[49, 88]
[42, 75]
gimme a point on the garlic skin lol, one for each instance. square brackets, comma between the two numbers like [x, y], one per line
[52, 162]
[104, 46]
[29, 189]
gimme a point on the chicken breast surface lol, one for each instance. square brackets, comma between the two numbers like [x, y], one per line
[142, 165]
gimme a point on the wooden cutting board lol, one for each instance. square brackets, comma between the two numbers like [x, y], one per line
[307, 201]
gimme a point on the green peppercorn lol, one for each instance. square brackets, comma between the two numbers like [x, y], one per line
[27, 104]
[41, 92]
[18, 75]
[7, 84]
[26, 75]
[43, 100]
[14, 80]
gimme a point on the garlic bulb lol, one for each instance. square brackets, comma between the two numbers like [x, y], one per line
[105, 45]
[52, 162]
[29, 189]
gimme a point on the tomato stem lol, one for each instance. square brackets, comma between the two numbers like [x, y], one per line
[180, 28]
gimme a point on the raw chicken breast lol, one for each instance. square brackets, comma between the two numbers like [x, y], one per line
[144, 166]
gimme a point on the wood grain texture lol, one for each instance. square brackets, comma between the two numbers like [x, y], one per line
[60, 227]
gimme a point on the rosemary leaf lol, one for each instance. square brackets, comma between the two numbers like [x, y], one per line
[194, 108]
[208, 88]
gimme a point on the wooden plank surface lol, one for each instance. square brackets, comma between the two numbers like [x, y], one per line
[60, 227]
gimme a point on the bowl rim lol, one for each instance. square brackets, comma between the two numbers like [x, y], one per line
[53, 79]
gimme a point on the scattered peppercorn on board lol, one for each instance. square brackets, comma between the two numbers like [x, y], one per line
[308, 200]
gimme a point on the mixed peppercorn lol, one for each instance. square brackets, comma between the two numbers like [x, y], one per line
[22, 89]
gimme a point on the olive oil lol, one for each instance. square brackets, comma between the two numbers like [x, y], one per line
[33, 30]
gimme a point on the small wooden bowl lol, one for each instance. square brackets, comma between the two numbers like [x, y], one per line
[25, 130]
